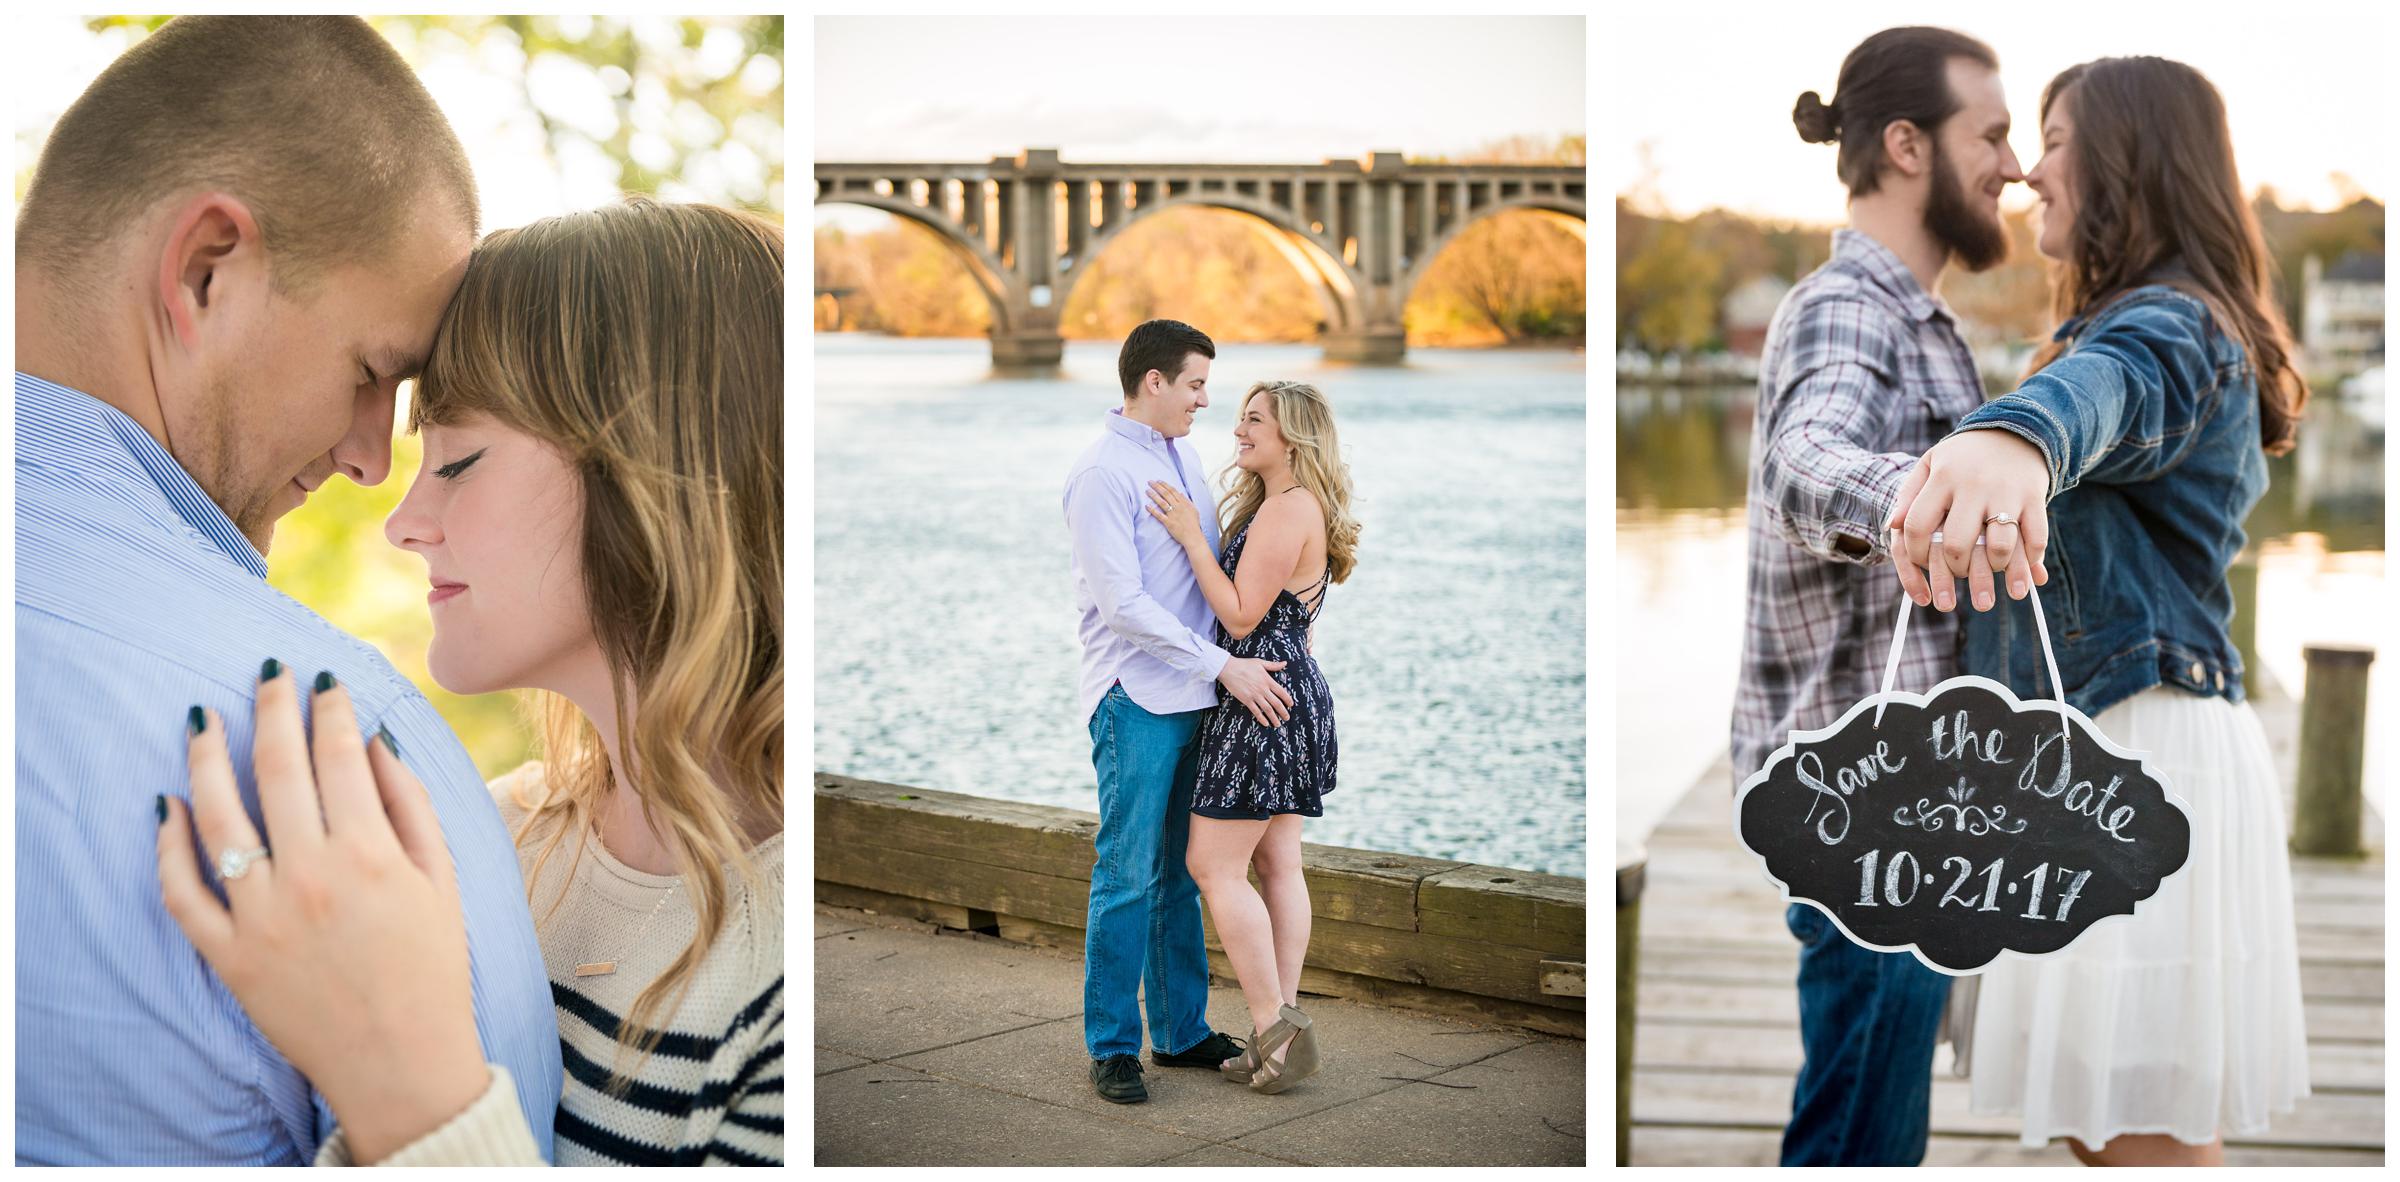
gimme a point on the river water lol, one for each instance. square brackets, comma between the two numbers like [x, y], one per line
[945, 620]
[1682, 462]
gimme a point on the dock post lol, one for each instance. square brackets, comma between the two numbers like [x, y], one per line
[2243, 576]
[1629, 939]
[2333, 738]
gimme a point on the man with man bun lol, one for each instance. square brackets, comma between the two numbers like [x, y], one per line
[1863, 370]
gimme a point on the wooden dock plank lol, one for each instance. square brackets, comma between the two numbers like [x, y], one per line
[1668, 1045]
[1717, 1042]
[1694, 1145]
[1768, 962]
[1776, 1003]
[2326, 1120]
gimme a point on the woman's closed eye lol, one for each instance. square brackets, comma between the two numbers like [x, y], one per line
[451, 470]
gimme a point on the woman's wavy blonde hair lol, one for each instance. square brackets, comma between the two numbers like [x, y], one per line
[645, 342]
[1305, 418]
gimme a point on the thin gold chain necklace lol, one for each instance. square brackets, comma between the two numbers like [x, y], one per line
[602, 968]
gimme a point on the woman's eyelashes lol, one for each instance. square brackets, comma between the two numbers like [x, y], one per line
[451, 470]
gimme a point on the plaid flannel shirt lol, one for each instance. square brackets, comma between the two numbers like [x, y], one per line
[1863, 371]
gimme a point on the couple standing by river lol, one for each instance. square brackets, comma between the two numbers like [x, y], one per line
[1212, 729]
[2116, 475]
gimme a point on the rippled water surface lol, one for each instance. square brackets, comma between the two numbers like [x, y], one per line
[945, 622]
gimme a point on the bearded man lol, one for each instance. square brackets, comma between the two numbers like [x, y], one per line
[1863, 371]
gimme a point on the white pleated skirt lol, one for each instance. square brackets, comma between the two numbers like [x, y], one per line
[2184, 1019]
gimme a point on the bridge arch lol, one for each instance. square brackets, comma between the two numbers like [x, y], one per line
[1319, 266]
[989, 276]
[1564, 212]
[1360, 233]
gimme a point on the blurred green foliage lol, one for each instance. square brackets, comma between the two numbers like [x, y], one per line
[695, 104]
[331, 555]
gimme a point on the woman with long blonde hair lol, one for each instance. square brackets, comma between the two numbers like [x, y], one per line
[600, 511]
[1291, 535]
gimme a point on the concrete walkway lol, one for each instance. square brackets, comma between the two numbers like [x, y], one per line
[939, 1048]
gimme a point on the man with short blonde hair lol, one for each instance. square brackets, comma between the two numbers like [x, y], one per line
[236, 245]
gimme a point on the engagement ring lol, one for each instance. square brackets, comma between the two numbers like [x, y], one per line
[233, 864]
[2002, 518]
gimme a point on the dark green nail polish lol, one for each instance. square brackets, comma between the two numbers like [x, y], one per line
[162, 808]
[197, 720]
[385, 734]
[324, 681]
[271, 670]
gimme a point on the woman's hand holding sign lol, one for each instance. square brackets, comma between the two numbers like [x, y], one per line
[1974, 504]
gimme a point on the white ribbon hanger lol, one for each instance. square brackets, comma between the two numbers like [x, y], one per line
[1891, 664]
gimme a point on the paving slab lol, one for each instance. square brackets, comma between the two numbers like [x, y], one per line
[1522, 1107]
[889, 1116]
[882, 992]
[829, 1062]
[978, 1043]
[1220, 1155]
[1364, 1049]
[829, 924]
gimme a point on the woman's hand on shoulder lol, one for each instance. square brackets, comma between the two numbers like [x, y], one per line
[344, 943]
[1176, 512]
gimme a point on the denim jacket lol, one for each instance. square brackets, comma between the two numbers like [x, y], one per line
[2149, 423]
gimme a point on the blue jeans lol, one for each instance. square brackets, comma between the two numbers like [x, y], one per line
[1144, 924]
[1867, 1026]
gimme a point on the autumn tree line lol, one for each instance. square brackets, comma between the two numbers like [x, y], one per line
[1673, 274]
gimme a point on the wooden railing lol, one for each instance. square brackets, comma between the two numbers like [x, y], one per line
[1485, 942]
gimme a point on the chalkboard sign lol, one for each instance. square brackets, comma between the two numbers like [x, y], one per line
[1963, 824]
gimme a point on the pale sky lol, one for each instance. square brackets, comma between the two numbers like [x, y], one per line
[2306, 86]
[1236, 88]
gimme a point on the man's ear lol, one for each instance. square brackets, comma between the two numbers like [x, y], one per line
[1906, 148]
[210, 237]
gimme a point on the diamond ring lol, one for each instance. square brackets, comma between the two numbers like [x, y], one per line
[233, 864]
[2002, 518]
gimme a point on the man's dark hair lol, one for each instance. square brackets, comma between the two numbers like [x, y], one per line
[1161, 345]
[1896, 74]
[314, 122]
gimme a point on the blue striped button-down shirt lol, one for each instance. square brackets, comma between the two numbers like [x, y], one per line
[136, 598]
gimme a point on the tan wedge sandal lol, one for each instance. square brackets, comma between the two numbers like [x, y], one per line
[1292, 1032]
[1239, 1068]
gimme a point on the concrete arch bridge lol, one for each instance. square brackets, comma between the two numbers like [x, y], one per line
[1361, 233]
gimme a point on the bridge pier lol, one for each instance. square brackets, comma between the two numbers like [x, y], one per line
[1027, 352]
[1372, 346]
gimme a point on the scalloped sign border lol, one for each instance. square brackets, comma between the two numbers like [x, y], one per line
[2012, 849]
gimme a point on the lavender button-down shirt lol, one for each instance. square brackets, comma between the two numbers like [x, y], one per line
[1144, 621]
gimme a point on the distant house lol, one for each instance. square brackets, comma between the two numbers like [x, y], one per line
[1748, 310]
[2341, 313]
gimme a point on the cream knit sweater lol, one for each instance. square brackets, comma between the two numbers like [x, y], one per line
[711, 1094]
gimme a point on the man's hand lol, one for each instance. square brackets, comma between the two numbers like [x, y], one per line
[1246, 679]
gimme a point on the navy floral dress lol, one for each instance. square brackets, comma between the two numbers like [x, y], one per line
[1249, 772]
